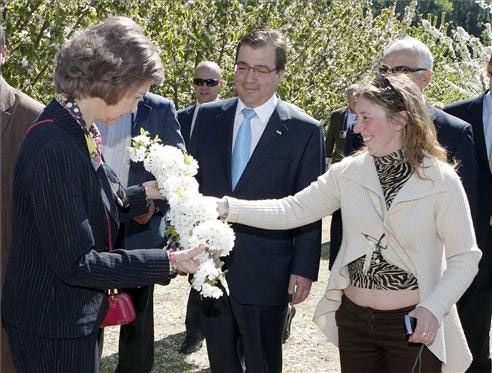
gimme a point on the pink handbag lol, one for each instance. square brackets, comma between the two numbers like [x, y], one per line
[120, 309]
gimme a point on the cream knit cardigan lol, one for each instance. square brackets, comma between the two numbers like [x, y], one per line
[428, 230]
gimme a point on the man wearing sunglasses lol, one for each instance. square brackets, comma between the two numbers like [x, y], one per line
[257, 146]
[412, 57]
[475, 306]
[207, 83]
[157, 116]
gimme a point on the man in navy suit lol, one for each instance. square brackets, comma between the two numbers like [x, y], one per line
[207, 83]
[267, 269]
[157, 116]
[475, 306]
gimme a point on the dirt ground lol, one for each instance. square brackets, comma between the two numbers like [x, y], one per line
[306, 349]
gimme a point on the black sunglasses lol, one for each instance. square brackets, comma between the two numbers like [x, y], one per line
[399, 69]
[208, 82]
[119, 193]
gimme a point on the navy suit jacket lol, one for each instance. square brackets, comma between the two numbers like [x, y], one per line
[471, 111]
[288, 157]
[59, 266]
[157, 116]
[456, 136]
[185, 117]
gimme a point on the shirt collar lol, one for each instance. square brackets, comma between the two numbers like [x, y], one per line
[487, 102]
[199, 104]
[264, 111]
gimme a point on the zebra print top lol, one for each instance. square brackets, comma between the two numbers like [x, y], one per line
[393, 172]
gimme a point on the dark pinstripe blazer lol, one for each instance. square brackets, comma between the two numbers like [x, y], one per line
[58, 267]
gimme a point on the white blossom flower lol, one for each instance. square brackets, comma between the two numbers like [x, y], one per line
[214, 234]
[137, 154]
[193, 217]
[209, 291]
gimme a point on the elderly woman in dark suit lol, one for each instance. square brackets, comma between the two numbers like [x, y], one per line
[67, 206]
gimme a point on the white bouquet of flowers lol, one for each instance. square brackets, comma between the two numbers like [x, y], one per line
[193, 217]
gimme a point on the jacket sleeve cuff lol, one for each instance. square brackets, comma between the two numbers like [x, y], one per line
[233, 210]
[138, 199]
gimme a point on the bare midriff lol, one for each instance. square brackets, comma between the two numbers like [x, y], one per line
[382, 299]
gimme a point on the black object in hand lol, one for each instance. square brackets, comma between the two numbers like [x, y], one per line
[409, 324]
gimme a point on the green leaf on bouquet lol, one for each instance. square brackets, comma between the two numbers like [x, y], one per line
[143, 132]
[188, 159]
[172, 234]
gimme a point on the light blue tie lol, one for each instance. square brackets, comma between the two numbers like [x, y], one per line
[242, 147]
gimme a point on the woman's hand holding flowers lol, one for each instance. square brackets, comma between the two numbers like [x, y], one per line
[185, 261]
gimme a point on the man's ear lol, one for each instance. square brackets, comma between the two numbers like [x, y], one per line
[425, 78]
[280, 74]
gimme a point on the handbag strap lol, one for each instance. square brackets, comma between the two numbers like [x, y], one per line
[110, 238]
[110, 248]
[35, 124]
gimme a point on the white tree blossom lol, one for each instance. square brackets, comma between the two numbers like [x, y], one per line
[193, 217]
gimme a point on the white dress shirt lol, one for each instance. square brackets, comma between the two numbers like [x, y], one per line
[258, 123]
[487, 121]
[197, 107]
[116, 140]
[351, 119]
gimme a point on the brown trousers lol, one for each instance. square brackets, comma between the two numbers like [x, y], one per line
[374, 341]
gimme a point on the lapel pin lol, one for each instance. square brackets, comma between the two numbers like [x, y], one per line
[278, 132]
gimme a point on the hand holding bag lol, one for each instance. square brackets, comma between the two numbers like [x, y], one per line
[120, 309]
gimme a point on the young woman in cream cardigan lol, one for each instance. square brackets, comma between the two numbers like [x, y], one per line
[408, 242]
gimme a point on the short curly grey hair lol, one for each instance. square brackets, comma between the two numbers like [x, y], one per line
[106, 60]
